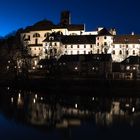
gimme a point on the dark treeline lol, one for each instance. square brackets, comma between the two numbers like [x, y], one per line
[10, 51]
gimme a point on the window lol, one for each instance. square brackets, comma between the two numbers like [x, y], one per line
[39, 48]
[97, 44]
[120, 46]
[127, 52]
[77, 52]
[36, 41]
[97, 38]
[105, 43]
[34, 48]
[126, 46]
[55, 44]
[104, 37]
[71, 46]
[98, 51]
[113, 52]
[120, 52]
[84, 46]
[65, 52]
[77, 46]
[66, 46]
[36, 35]
[90, 46]
[133, 52]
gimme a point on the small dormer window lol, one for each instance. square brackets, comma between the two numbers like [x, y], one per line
[51, 38]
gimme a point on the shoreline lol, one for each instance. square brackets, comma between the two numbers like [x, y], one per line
[79, 86]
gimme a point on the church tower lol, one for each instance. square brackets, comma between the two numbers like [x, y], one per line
[65, 18]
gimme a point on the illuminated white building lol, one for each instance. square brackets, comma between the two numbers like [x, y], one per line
[45, 40]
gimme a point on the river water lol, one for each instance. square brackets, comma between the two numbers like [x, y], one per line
[34, 115]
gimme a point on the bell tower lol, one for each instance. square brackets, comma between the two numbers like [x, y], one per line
[65, 18]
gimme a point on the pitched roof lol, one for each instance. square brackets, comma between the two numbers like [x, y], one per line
[75, 27]
[103, 32]
[127, 39]
[85, 57]
[79, 39]
[41, 25]
[131, 60]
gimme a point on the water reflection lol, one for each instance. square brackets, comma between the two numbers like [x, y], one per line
[63, 111]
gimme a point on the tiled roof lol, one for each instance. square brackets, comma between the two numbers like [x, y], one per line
[103, 32]
[48, 25]
[35, 45]
[127, 39]
[75, 27]
[41, 25]
[131, 60]
[79, 39]
[86, 57]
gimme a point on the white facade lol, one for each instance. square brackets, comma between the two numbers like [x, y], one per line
[121, 48]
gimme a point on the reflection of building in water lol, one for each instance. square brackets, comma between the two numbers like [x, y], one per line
[55, 111]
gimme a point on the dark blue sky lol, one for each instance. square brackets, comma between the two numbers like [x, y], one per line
[121, 14]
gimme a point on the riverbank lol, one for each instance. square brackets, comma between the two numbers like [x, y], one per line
[80, 86]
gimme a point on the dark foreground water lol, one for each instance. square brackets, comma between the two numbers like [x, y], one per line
[28, 115]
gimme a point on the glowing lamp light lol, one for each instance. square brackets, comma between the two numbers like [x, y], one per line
[36, 96]
[76, 68]
[12, 99]
[34, 101]
[76, 105]
[92, 98]
[41, 98]
[41, 66]
[133, 109]
[8, 88]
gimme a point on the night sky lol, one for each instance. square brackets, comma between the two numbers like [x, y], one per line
[121, 14]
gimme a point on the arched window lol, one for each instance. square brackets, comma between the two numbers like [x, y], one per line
[36, 35]
[120, 52]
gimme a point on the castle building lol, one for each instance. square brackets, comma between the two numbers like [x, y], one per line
[47, 40]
